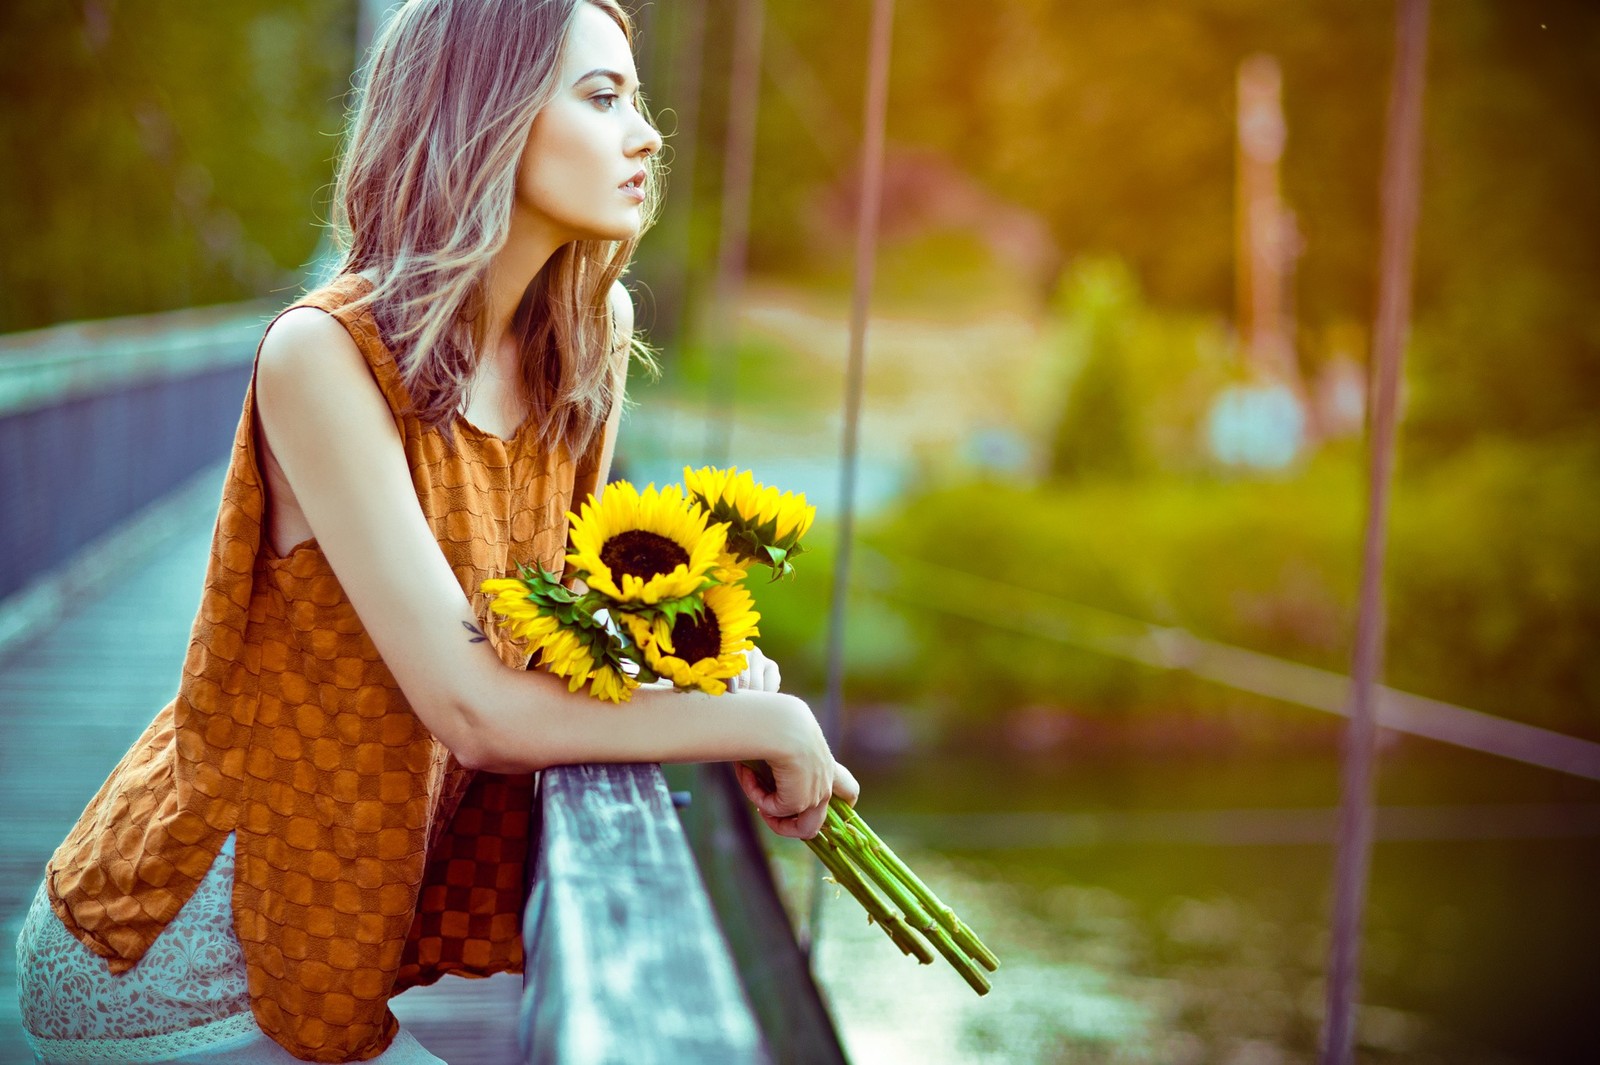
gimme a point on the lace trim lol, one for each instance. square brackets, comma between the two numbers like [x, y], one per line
[192, 975]
[145, 1047]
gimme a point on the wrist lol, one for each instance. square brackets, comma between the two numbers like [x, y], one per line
[787, 724]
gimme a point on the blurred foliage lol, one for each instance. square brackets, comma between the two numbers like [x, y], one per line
[932, 274]
[1095, 432]
[1493, 591]
[880, 646]
[1124, 388]
[1115, 124]
[163, 155]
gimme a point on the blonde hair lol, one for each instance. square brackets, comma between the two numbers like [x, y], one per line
[423, 199]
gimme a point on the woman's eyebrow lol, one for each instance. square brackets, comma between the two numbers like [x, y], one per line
[617, 79]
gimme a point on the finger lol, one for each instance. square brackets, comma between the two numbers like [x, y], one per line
[756, 665]
[783, 826]
[781, 803]
[800, 795]
[754, 790]
[810, 822]
[769, 676]
[793, 827]
[845, 785]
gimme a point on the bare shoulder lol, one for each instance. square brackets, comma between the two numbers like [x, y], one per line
[310, 363]
[316, 392]
[308, 340]
[621, 301]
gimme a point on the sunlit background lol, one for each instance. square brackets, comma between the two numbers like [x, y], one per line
[1112, 432]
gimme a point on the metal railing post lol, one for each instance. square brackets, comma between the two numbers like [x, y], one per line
[1401, 192]
[871, 196]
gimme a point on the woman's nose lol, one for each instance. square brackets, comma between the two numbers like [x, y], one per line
[650, 143]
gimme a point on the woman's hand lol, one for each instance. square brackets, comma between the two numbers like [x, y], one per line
[804, 774]
[760, 674]
[808, 822]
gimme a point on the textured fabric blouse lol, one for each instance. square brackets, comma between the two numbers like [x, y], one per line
[368, 859]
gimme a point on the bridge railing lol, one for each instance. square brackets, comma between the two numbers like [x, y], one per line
[101, 420]
[625, 960]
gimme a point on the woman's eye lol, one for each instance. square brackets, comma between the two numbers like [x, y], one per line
[613, 97]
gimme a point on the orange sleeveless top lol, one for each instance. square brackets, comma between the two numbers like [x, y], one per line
[368, 859]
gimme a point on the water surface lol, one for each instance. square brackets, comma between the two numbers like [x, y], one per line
[1174, 910]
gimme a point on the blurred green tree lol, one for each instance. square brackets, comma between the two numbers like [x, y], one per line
[1097, 431]
[163, 155]
[1115, 123]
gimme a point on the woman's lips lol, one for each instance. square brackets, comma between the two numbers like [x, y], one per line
[634, 187]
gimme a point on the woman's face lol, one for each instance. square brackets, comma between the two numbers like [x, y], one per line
[589, 141]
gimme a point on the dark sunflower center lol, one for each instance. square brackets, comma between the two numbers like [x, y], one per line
[643, 554]
[694, 639]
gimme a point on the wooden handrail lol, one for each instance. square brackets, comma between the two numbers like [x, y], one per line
[624, 957]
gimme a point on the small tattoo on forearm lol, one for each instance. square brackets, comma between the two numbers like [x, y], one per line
[477, 633]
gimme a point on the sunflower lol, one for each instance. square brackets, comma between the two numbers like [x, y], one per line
[587, 656]
[763, 525]
[612, 685]
[644, 547]
[523, 617]
[730, 569]
[581, 650]
[699, 651]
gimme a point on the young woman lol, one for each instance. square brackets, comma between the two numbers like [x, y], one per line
[335, 805]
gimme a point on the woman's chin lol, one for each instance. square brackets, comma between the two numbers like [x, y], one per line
[615, 224]
[623, 225]
[626, 231]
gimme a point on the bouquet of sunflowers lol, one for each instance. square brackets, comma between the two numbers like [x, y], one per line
[663, 594]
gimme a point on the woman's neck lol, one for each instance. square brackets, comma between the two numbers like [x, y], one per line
[512, 270]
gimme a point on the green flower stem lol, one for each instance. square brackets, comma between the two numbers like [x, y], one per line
[957, 929]
[852, 845]
[864, 855]
[861, 862]
[848, 878]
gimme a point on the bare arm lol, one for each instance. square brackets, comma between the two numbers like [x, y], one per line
[335, 438]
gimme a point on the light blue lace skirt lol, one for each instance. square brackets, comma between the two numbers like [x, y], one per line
[187, 1000]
